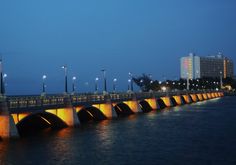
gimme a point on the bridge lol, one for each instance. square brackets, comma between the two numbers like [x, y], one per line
[22, 114]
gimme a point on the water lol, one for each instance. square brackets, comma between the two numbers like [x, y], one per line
[198, 134]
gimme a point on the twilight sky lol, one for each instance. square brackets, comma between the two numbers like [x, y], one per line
[138, 36]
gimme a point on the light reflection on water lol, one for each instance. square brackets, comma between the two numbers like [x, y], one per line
[201, 133]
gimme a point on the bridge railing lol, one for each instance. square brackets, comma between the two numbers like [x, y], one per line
[15, 102]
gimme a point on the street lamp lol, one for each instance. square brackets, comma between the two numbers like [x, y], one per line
[65, 70]
[73, 84]
[96, 84]
[131, 81]
[114, 84]
[105, 81]
[43, 85]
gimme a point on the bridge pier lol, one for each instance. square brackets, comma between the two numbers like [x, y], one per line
[133, 105]
[7, 126]
[153, 103]
[187, 99]
[194, 97]
[68, 115]
[167, 101]
[178, 100]
[200, 97]
[107, 109]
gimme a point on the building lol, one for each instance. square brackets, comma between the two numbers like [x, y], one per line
[194, 67]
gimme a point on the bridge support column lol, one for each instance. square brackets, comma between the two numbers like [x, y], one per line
[167, 101]
[187, 99]
[133, 105]
[153, 103]
[178, 100]
[68, 115]
[194, 97]
[209, 96]
[200, 97]
[204, 96]
[7, 126]
[107, 109]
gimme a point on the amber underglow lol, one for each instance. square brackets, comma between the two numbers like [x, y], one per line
[53, 111]
[78, 108]
[106, 109]
[213, 95]
[4, 126]
[194, 97]
[221, 94]
[200, 97]
[187, 99]
[204, 96]
[18, 117]
[209, 95]
[178, 100]
[167, 101]
[133, 105]
[152, 102]
[216, 95]
[65, 114]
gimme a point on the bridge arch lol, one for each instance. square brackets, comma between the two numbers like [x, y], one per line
[122, 109]
[90, 113]
[145, 106]
[36, 122]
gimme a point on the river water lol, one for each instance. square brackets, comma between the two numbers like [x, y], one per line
[198, 134]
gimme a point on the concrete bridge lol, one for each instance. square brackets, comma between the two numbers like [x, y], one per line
[22, 114]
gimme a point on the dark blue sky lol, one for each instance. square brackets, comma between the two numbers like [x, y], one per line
[37, 37]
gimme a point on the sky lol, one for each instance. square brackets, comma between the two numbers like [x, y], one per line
[121, 36]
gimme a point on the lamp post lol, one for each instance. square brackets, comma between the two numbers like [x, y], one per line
[73, 84]
[44, 85]
[96, 84]
[129, 83]
[105, 81]
[65, 70]
[114, 85]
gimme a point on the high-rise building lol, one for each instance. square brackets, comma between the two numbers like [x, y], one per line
[194, 67]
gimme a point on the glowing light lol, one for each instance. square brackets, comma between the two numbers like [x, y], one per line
[45, 120]
[90, 114]
[163, 88]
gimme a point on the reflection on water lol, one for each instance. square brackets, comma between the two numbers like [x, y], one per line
[201, 133]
